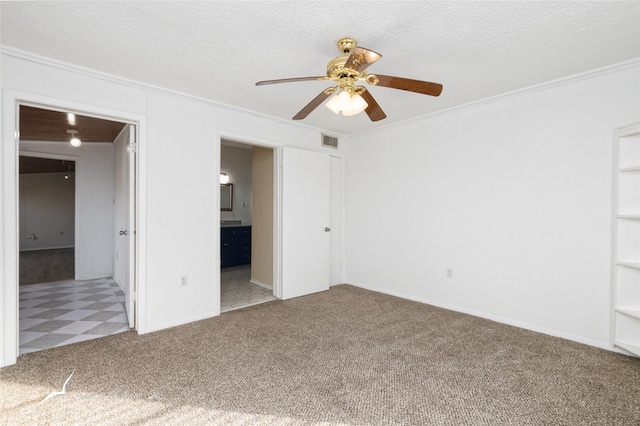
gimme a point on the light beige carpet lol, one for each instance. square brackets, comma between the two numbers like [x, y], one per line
[345, 356]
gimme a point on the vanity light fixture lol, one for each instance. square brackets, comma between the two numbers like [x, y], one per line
[224, 178]
[75, 141]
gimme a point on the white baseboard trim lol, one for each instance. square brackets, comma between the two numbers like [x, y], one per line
[118, 282]
[261, 284]
[502, 320]
[47, 248]
[177, 323]
[95, 276]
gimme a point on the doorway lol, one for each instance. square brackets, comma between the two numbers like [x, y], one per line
[47, 219]
[293, 250]
[246, 225]
[93, 302]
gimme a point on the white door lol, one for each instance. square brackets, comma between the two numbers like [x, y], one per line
[124, 218]
[305, 222]
[335, 274]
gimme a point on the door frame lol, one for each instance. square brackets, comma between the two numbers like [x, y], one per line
[75, 159]
[9, 242]
[277, 206]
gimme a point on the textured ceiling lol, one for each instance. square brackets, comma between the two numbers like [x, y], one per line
[218, 50]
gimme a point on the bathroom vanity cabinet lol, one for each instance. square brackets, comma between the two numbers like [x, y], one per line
[235, 245]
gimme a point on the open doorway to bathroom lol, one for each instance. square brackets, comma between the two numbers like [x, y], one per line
[246, 225]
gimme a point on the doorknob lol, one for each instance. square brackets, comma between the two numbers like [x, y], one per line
[327, 229]
[123, 232]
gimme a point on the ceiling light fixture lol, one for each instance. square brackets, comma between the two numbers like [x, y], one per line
[224, 179]
[348, 101]
[74, 139]
[71, 117]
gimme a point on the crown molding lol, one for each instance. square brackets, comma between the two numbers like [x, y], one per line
[93, 73]
[90, 72]
[518, 92]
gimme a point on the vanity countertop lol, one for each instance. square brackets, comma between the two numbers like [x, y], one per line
[229, 223]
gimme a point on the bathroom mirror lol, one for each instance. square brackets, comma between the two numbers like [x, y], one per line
[226, 197]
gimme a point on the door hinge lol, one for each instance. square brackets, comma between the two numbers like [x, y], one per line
[133, 147]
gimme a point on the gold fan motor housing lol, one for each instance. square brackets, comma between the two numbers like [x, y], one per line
[346, 45]
[336, 70]
[335, 67]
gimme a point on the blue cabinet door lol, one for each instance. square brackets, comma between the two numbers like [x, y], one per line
[235, 246]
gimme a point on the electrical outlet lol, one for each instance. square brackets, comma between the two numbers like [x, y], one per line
[184, 281]
[449, 273]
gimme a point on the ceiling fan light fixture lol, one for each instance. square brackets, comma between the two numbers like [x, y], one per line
[346, 71]
[358, 104]
[347, 102]
[333, 104]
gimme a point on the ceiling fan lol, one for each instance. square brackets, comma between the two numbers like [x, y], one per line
[349, 98]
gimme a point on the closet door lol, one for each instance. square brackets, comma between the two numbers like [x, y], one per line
[305, 222]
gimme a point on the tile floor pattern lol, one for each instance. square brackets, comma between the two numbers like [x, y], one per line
[237, 292]
[61, 313]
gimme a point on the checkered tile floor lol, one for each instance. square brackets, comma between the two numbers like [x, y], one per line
[237, 292]
[61, 313]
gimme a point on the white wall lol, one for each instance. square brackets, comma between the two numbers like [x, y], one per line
[513, 195]
[95, 191]
[47, 211]
[236, 163]
[179, 167]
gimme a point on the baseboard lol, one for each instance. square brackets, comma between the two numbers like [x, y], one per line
[177, 323]
[94, 276]
[502, 320]
[118, 282]
[47, 248]
[260, 284]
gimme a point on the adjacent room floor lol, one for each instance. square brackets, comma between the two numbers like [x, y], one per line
[65, 312]
[46, 266]
[61, 313]
[236, 290]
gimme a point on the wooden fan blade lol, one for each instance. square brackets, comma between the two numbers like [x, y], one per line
[311, 106]
[361, 58]
[290, 80]
[424, 87]
[374, 111]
